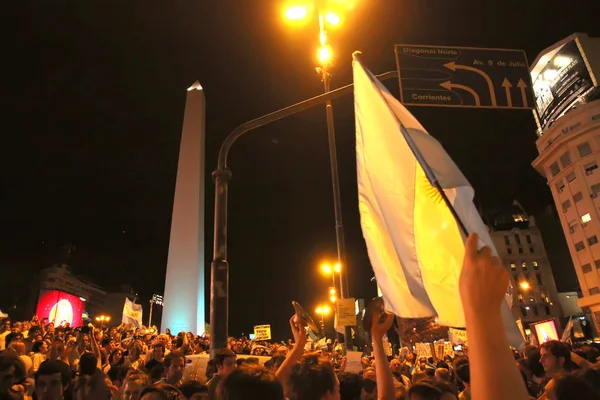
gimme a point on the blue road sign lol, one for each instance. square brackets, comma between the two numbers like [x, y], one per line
[445, 76]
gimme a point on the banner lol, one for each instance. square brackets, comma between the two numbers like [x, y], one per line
[132, 313]
[262, 332]
[457, 336]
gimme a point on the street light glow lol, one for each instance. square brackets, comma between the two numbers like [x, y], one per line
[525, 285]
[332, 18]
[322, 310]
[324, 55]
[331, 290]
[333, 299]
[326, 268]
[337, 267]
[296, 13]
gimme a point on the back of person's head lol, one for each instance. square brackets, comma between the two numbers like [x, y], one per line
[313, 377]
[569, 386]
[11, 366]
[156, 373]
[87, 364]
[162, 391]
[277, 361]
[221, 355]
[350, 386]
[251, 381]
[419, 376]
[192, 388]
[423, 391]
[462, 372]
[442, 374]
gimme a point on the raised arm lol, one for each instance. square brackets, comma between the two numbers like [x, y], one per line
[284, 371]
[383, 373]
[483, 283]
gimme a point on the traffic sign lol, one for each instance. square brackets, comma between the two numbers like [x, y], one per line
[445, 76]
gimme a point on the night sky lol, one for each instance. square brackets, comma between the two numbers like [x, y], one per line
[93, 100]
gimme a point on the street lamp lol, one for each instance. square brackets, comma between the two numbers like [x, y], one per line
[328, 269]
[102, 319]
[328, 18]
[323, 310]
[525, 285]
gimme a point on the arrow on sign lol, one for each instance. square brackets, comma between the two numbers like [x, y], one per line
[522, 85]
[449, 85]
[506, 85]
[453, 67]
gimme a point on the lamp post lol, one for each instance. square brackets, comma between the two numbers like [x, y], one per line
[102, 319]
[322, 311]
[325, 57]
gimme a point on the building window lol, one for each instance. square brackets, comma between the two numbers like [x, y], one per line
[547, 309]
[566, 205]
[538, 277]
[535, 311]
[518, 239]
[565, 160]
[585, 218]
[509, 250]
[560, 186]
[594, 290]
[571, 176]
[579, 246]
[524, 311]
[589, 168]
[595, 188]
[584, 149]
[506, 240]
[528, 238]
[531, 249]
[554, 169]
[577, 197]
[592, 240]
[572, 226]
[586, 268]
[597, 264]
[524, 266]
[535, 265]
[513, 267]
[520, 250]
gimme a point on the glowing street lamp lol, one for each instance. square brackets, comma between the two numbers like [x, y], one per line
[102, 319]
[525, 285]
[323, 310]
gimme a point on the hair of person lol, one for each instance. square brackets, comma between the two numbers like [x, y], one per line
[221, 355]
[591, 375]
[312, 377]
[423, 391]
[136, 376]
[463, 372]
[173, 356]
[350, 385]
[87, 364]
[19, 348]
[251, 381]
[156, 373]
[164, 391]
[191, 388]
[569, 386]
[12, 362]
[443, 374]
[159, 345]
[37, 345]
[112, 355]
[558, 349]
[55, 367]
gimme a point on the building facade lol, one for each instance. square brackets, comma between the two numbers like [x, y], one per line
[521, 248]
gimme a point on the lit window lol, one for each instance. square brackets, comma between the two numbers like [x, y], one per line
[584, 149]
[527, 308]
[513, 266]
[524, 266]
[518, 218]
[535, 265]
[586, 218]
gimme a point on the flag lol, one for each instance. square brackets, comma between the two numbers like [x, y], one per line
[414, 242]
[567, 332]
[132, 313]
[3, 315]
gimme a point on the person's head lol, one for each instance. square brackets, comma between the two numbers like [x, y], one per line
[251, 381]
[350, 386]
[555, 356]
[14, 336]
[396, 366]
[423, 391]
[225, 362]
[442, 375]
[12, 375]
[87, 364]
[135, 381]
[5, 325]
[568, 386]
[109, 343]
[314, 378]
[52, 380]
[159, 351]
[57, 348]
[174, 365]
[116, 357]
[93, 387]
[194, 390]
[161, 391]
[462, 371]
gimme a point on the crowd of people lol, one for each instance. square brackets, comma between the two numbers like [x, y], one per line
[46, 362]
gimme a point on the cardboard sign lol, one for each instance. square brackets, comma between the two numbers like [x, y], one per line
[346, 312]
[353, 363]
[262, 332]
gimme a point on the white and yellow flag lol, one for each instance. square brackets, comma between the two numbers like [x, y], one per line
[414, 242]
[132, 313]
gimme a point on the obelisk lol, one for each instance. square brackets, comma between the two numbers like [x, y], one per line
[183, 308]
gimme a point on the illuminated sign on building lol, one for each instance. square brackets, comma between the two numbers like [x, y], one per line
[60, 308]
[560, 79]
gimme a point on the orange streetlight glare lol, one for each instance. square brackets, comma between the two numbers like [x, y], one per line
[331, 290]
[324, 55]
[333, 299]
[296, 13]
[337, 267]
[326, 268]
[332, 19]
[525, 285]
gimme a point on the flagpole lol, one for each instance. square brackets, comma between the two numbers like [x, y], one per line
[429, 173]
